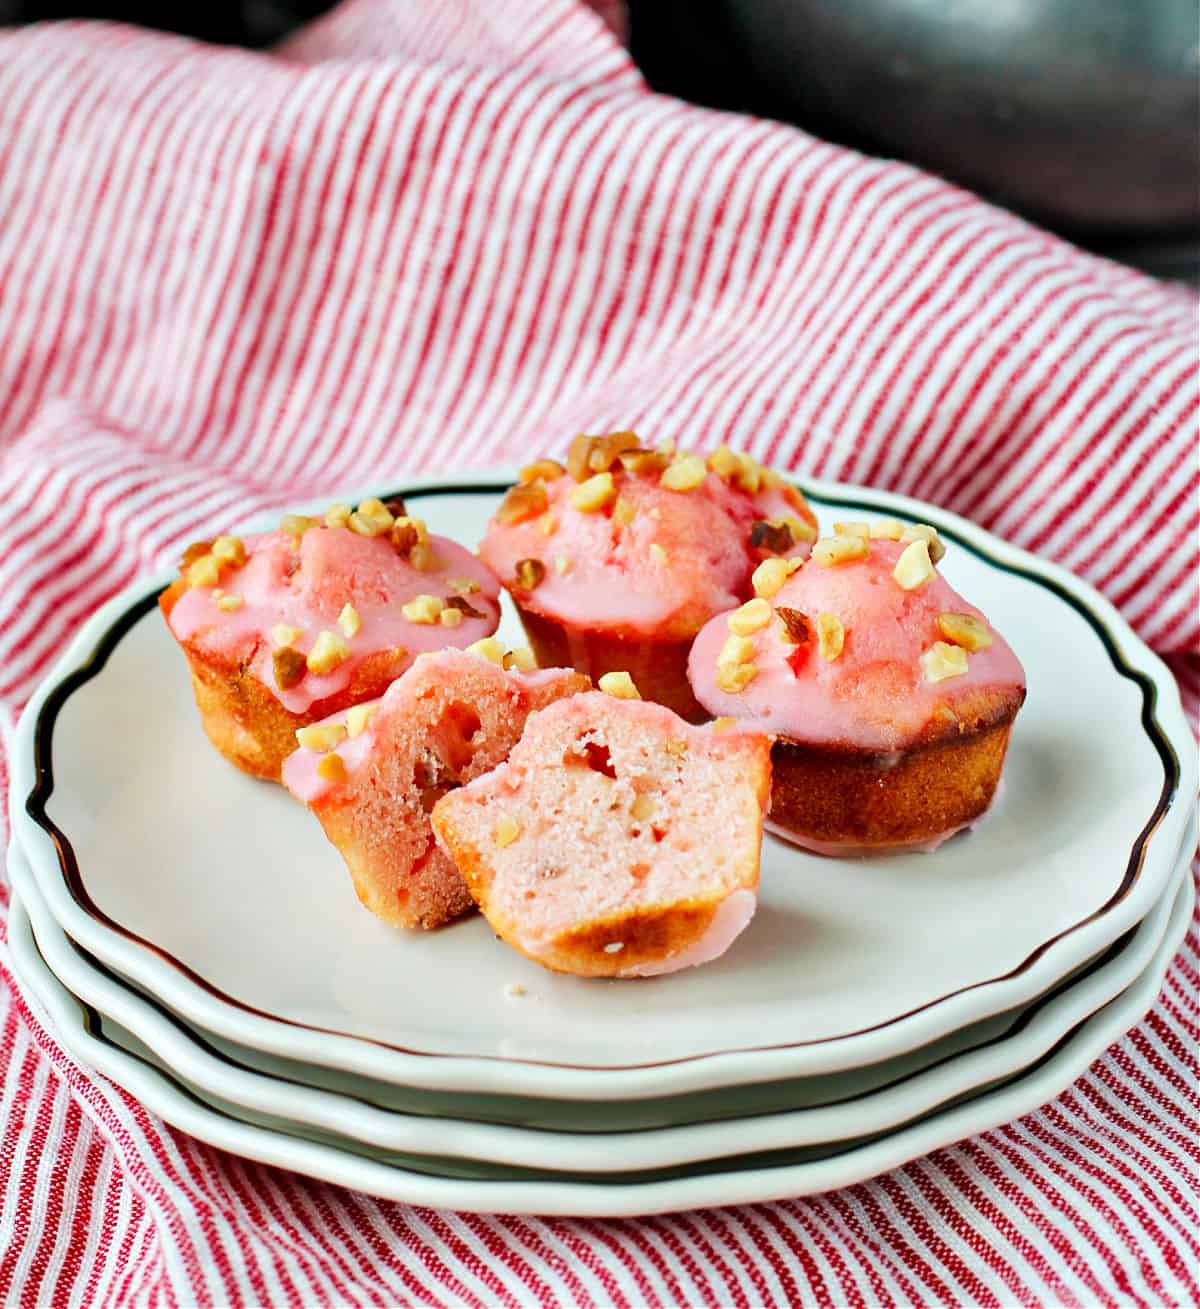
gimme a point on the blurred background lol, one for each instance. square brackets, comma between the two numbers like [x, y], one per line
[1081, 114]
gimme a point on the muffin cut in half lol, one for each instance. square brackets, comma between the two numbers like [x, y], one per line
[616, 561]
[617, 841]
[891, 698]
[373, 773]
[284, 628]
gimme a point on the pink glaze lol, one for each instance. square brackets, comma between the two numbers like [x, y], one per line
[614, 581]
[300, 774]
[874, 695]
[336, 567]
[730, 920]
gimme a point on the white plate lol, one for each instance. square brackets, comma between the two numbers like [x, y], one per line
[220, 895]
[857, 1110]
[486, 1188]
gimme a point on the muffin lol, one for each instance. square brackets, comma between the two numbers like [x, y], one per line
[283, 629]
[618, 560]
[890, 697]
[372, 773]
[590, 851]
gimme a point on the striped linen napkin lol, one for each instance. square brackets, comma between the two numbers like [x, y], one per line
[433, 234]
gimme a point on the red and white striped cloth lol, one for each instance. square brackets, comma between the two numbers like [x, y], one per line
[430, 234]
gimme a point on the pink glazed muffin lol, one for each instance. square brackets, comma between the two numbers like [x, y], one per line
[282, 629]
[373, 773]
[618, 560]
[592, 850]
[890, 697]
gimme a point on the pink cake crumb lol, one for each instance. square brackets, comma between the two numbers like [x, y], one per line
[617, 841]
[373, 774]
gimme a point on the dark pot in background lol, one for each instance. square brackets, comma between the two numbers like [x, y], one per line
[1083, 114]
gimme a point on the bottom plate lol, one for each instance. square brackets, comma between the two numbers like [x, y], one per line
[861, 1103]
[485, 1188]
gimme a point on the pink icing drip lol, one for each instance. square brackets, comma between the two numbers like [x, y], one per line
[336, 567]
[732, 917]
[613, 579]
[874, 695]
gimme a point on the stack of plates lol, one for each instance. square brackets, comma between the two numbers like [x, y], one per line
[192, 936]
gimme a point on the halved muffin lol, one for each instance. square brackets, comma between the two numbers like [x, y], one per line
[373, 773]
[284, 628]
[617, 841]
[616, 561]
[891, 698]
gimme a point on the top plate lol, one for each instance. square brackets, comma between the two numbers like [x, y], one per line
[221, 894]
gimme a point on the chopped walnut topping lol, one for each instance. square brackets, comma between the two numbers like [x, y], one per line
[644, 806]
[357, 719]
[853, 529]
[619, 685]
[768, 578]
[396, 507]
[750, 617]
[941, 661]
[451, 617]
[724, 462]
[228, 603]
[529, 572]
[736, 650]
[887, 529]
[423, 608]
[328, 652]
[422, 558]
[676, 748]
[595, 494]
[321, 737]
[914, 567]
[623, 511]
[734, 678]
[923, 532]
[771, 534]
[197, 550]
[505, 832]
[548, 525]
[284, 635]
[289, 665]
[372, 518]
[658, 554]
[802, 529]
[205, 571]
[965, 630]
[337, 516]
[831, 636]
[521, 659]
[404, 537]
[597, 454]
[462, 585]
[464, 607]
[297, 524]
[643, 462]
[541, 470]
[521, 503]
[490, 649]
[349, 621]
[830, 551]
[686, 473]
[795, 624]
[562, 564]
[229, 550]
[331, 768]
